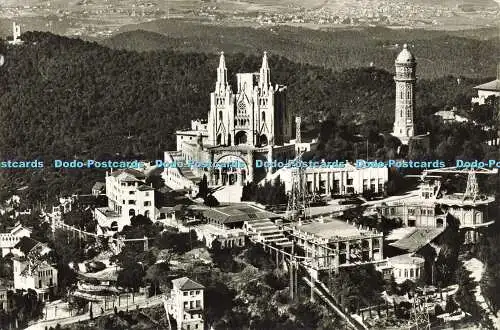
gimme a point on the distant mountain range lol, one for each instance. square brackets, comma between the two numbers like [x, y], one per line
[471, 53]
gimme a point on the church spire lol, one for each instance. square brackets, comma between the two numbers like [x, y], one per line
[265, 75]
[221, 73]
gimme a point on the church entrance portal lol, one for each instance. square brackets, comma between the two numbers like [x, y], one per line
[230, 170]
[240, 138]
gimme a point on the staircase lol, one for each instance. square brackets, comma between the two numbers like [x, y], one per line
[267, 232]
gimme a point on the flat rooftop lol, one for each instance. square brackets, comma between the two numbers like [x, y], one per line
[332, 228]
[458, 200]
[192, 132]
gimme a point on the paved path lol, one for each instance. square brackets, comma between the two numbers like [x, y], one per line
[142, 303]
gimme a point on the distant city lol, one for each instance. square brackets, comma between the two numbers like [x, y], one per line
[99, 19]
[189, 190]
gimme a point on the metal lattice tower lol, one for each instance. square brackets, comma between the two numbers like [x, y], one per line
[298, 206]
[472, 189]
[419, 319]
[298, 134]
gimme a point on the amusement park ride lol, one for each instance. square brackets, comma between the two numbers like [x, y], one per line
[472, 189]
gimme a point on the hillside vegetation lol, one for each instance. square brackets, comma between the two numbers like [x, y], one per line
[438, 53]
[64, 98]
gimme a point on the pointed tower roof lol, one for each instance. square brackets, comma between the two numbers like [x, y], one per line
[405, 56]
[222, 61]
[265, 64]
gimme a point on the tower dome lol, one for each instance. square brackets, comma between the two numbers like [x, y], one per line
[405, 56]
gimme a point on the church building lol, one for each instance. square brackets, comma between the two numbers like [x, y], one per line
[244, 124]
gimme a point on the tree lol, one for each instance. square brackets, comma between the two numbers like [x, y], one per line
[203, 187]
[140, 220]
[451, 305]
[447, 259]
[211, 201]
[131, 276]
[26, 307]
[465, 294]
[358, 287]
[158, 276]
[223, 257]
[176, 242]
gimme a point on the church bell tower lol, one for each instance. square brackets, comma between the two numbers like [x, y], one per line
[405, 95]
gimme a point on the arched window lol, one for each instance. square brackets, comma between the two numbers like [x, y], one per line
[263, 140]
[219, 139]
[263, 116]
[220, 115]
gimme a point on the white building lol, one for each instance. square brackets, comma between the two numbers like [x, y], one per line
[185, 304]
[488, 89]
[407, 267]
[40, 277]
[451, 116]
[32, 270]
[227, 238]
[10, 239]
[332, 243]
[128, 195]
[430, 207]
[16, 33]
[337, 180]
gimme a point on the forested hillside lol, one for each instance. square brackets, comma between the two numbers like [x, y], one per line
[65, 98]
[439, 53]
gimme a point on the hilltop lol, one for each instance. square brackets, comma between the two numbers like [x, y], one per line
[65, 98]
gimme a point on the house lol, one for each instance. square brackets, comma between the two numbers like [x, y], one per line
[38, 275]
[128, 195]
[10, 239]
[32, 269]
[98, 188]
[407, 266]
[488, 89]
[185, 304]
